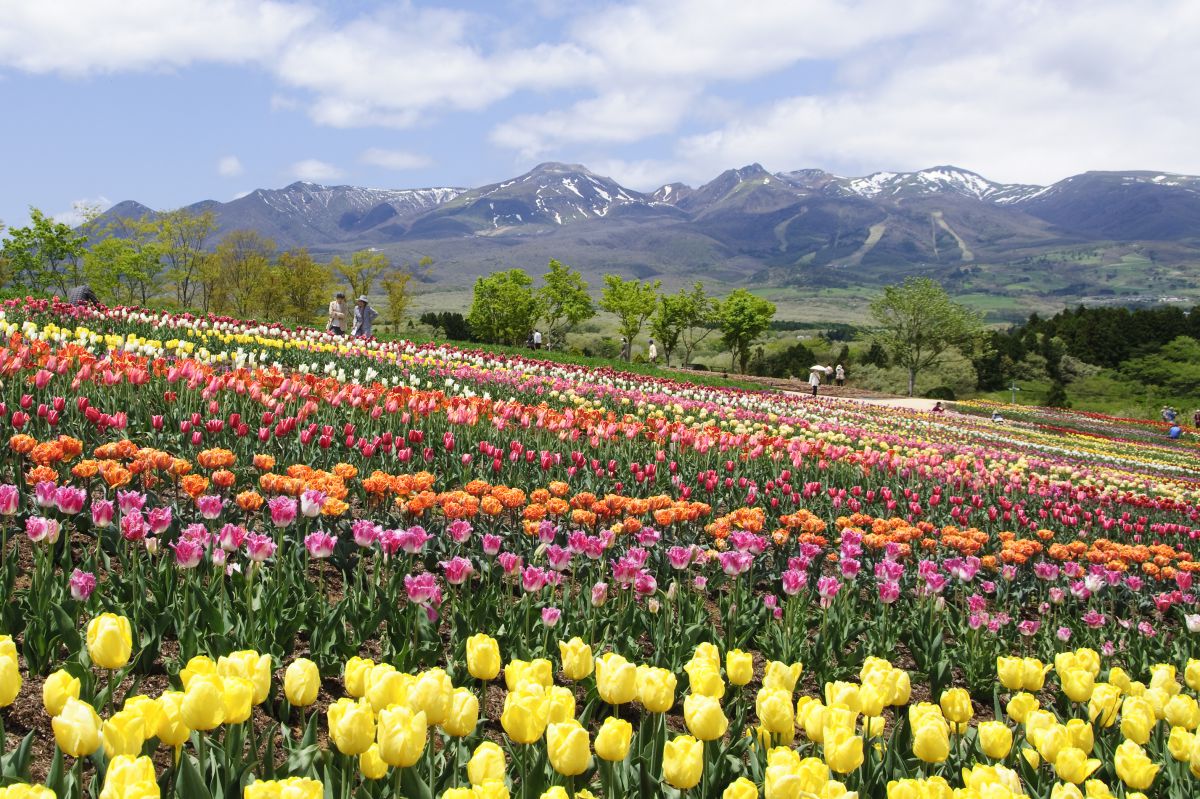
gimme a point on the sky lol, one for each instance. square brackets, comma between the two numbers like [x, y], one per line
[169, 102]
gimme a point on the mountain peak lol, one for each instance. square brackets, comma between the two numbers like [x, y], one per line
[557, 168]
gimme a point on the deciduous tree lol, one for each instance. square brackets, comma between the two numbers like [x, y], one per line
[361, 272]
[631, 301]
[743, 317]
[917, 322]
[45, 253]
[398, 286]
[182, 235]
[504, 308]
[238, 268]
[565, 302]
[685, 317]
[305, 285]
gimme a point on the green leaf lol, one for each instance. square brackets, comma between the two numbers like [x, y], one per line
[190, 783]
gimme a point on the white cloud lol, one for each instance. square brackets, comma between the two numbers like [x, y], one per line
[81, 37]
[398, 160]
[229, 166]
[313, 169]
[82, 209]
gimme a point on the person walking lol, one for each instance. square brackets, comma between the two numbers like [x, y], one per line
[537, 339]
[364, 315]
[1196, 418]
[814, 380]
[652, 352]
[624, 349]
[82, 295]
[337, 314]
[839, 375]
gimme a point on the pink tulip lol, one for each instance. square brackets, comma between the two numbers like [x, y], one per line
[457, 570]
[551, 616]
[510, 562]
[311, 502]
[889, 592]
[283, 511]
[43, 494]
[459, 530]
[599, 594]
[319, 544]
[645, 584]
[159, 519]
[41, 529]
[102, 513]
[82, 584]
[413, 539]
[230, 537]
[188, 553]
[133, 526]
[793, 581]
[365, 532]
[69, 499]
[491, 544]
[129, 501]
[259, 547]
[827, 589]
[557, 557]
[210, 506]
[10, 500]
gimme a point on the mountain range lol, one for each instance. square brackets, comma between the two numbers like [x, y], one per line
[1099, 236]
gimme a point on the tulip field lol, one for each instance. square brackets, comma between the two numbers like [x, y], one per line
[240, 560]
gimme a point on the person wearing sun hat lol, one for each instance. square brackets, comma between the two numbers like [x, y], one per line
[364, 315]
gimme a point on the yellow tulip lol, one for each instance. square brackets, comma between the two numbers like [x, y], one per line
[872, 699]
[1179, 744]
[109, 641]
[655, 688]
[130, 777]
[204, 702]
[555, 792]
[123, 734]
[1073, 765]
[839, 718]
[1191, 674]
[171, 728]
[704, 679]
[1134, 768]
[1011, 672]
[781, 676]
[239, 699]
[249, 665]
[386, 687]
[562, 704]
[613, 739]
[931, 739]
[704, 717]
[811, 716]
[1020, 706]
[371, 765]
[1051, 741]
[1117, 676]
[956, 705]
[525, 716]
[616, 679]
[352, 726]
[486, 764]
[149, 709]
[20, 790]
[774, 709]
[995, 739]
[1162, 675]
[77, 729]
[355, 674]
[58, 688]
[1104, 704]
[1065, 790]
[683, 762]
[741, 788]
[301, 682]
[1137, 719]
[463, 715]
[1078, 684]
[1081, 735]
[707, 652]
[483, 657]
[568, 747]
[576, 657]
[197, 665]
[739, 668]
[10, 680]
[537, 671]
[985, 780]
[843, 750]
[1033, 674]
[1182, 711]
[401, 735]
[432, 692]
[840, 694]
[290, 788]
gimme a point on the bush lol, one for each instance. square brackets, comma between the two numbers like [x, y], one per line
[941, 393]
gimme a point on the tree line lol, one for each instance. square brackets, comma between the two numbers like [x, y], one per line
[507, 307]
[173, 259]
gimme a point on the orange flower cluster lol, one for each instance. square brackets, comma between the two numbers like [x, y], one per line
[752, 520]
[216, 458]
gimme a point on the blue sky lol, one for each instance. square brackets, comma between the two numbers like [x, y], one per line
[173, 101]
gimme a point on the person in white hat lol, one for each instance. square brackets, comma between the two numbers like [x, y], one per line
[364, 315]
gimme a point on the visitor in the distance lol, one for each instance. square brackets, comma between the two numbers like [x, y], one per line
[364, 315]
[814, 380]
[652, 352]
[537, 339]
[839, 375]
[337, 314]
